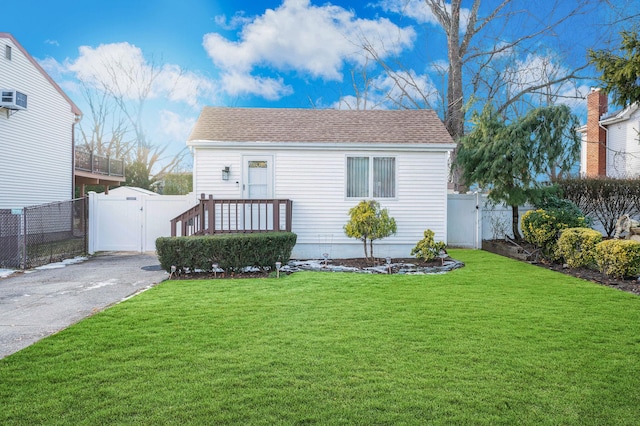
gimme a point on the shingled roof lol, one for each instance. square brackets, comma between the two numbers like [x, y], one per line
[319, 125]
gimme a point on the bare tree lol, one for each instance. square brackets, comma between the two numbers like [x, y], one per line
[474, 43]
[103, 131]
[117, 94]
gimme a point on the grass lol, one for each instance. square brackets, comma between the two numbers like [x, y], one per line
[497, 342]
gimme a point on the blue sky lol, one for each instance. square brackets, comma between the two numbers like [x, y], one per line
[268, 53]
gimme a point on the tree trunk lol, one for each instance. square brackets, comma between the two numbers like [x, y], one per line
[454, 121]
[366, 255]
[515, 218]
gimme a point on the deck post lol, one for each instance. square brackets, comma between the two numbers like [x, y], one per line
[212, 215]
[276, 215]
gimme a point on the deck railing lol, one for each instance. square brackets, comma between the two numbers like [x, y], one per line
[98, 164]
[213, 216]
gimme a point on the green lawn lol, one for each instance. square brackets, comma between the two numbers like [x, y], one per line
[497, 342]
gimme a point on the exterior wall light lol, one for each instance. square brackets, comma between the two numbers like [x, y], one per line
[226, 172]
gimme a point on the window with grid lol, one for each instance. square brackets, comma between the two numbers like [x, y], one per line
[371, 176]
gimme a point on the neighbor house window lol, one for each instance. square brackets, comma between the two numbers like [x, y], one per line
[7, 52]
[371, 177]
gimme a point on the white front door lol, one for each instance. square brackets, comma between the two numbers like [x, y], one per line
[258, 177]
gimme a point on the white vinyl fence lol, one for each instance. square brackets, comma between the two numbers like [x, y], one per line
[132, 222]
[472, 218]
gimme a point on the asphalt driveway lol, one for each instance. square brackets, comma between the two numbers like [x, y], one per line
[38, 303]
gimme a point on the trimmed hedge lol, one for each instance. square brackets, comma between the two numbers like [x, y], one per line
[619, 258]
[232, 252]
[603, 199]
[577, 246]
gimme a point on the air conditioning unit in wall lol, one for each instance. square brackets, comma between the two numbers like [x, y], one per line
[12, 99]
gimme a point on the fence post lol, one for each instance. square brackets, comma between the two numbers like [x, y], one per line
[85, 217]
[23, 243]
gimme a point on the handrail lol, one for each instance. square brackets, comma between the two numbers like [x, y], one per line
[98, 164]
[216, 216]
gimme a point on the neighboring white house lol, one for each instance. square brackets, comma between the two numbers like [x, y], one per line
[326, 162]
[36, 131]
[610, 142]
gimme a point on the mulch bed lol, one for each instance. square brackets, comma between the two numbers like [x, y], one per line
[359, 263]
[630, 285]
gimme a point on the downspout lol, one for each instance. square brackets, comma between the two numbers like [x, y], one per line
[73, 156]
[606, 148]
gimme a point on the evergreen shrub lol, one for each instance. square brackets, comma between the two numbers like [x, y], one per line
[577, 246]
[542, 227]
[427, 248]
[232, 252]
[618, 258]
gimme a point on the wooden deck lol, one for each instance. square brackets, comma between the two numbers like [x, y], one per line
[212, 216]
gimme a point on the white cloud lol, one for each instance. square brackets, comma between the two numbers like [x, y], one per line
[175, 126]
[438, 67]
[414, 9]
[541, 69]
[237, 21]
[52, 42]
[54, 68]
[298, 36]
[403, 89]
[122, 69]
[420, 12]
[238, 83]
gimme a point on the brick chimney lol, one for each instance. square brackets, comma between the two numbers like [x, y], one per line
[596, 135]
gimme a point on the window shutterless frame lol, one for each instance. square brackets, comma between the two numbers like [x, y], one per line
[370, 177]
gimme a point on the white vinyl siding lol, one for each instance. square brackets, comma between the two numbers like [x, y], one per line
[36, 144]
[315, 180]
[623, 148]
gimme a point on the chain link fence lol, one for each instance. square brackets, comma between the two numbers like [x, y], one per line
[43, 234]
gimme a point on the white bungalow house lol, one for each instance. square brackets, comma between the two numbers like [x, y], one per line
[36, 131]
[610, 141]
[317, 164]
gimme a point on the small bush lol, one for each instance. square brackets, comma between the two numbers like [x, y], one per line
[542, 227]
[231, 252]
[427, 248]
[618, 258]
[577, 246]
[367, 221]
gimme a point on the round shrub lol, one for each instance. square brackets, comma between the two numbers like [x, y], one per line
[542, 227]
[427, 248]
[618, 258]
[577, 246]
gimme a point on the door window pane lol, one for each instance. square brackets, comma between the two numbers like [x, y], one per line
[258, 179]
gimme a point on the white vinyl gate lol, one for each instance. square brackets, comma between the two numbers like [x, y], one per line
[133, 222]
[471, 218]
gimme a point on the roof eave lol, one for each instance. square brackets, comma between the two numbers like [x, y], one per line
[74, 108]
[369, 146]
[621, 116]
